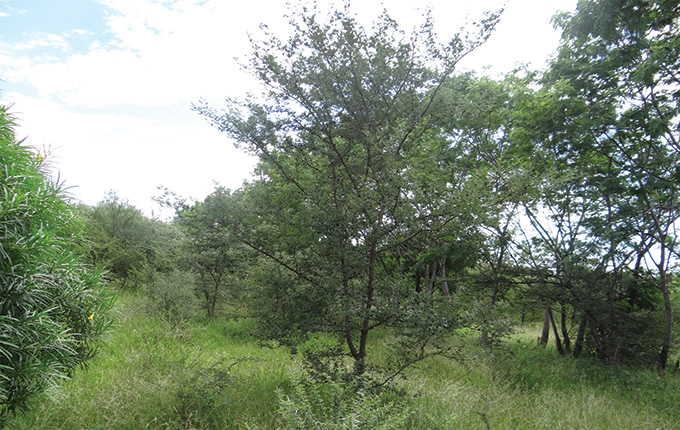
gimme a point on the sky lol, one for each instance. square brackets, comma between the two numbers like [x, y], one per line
[105, 87]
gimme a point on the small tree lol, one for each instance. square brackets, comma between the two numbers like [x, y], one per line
[121, 240]
[346, 138]
[213, 252]
[52, 305]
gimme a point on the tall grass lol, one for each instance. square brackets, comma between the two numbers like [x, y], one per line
[156, 374]
[528, 387]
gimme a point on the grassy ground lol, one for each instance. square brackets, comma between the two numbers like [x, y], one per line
[212, 375]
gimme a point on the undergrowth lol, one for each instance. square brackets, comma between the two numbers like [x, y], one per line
[210, 374]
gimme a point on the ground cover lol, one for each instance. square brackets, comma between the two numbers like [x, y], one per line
[211, 374]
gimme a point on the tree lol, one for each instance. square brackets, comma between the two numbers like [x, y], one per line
[120, 238]
[53, 306]
[587, 273]
[478, 157]
[607, 117]
[212, 248]
[621, 58]
[130, 246]
[347, 135]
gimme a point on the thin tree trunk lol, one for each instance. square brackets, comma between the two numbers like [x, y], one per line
[545, 334]
[426, 269]
[359, 364]
[430, 278]
[580, 336]
[662, 231]
[668, 310]
[433, 277]
[445, 283]
[347, 322]
[565, 331]
[558, 342]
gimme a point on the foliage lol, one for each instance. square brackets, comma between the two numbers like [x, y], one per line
[333, 405]
[53, 306]
[399, 210]
[202, 395]
[212, 251]
[604, 129]
[347, 135]
[137, 376]
[127, 244]
[173, 295]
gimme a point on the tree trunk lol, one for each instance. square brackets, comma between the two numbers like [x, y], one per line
[430, 277]
[668, 310]
[347, 321]
[565, 331]
[426, 270]
[359, 364]
[580, 336]
[558, 342]
[445, 283]
[545, 334]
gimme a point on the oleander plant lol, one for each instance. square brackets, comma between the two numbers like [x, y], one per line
[53, 305]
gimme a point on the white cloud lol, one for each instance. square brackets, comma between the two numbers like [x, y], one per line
[39, 40]
[171, 53]
[97, 152]
[162, 55]
[12, 11]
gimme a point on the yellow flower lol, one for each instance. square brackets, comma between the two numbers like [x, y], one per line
[91, 317]
[41, 157]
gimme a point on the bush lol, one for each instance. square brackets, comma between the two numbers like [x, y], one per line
[172, 295]
[327, 404]
[52, 305]
[205, 393]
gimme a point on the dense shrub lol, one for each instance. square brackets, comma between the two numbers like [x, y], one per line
[172, 295]
[326, 404]
[52, 305]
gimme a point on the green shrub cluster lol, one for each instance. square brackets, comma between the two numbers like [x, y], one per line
[172, 295]
[327, 404]
[52, 305]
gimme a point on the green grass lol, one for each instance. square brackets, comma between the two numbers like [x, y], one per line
[213, 375]
[529, 387]
[153, 374]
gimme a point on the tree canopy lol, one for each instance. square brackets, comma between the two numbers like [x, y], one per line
[346, 134]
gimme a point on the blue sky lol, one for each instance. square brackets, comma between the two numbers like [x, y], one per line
[108, 84]
[49, 31]
[24, 18]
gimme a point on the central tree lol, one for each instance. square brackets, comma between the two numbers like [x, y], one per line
[349, 140]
